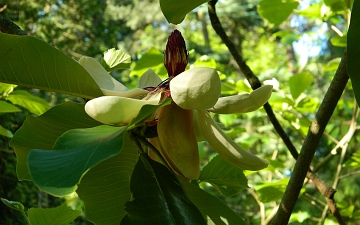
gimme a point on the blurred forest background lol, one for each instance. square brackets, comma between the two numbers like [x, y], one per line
[308, 44]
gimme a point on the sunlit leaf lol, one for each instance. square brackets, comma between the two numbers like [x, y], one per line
[152, 182]
[216, 211]
[339, 41]
[224, 177]
[61, 215]
[105, 188]
[6, 107]
[74, 153]
[115, 60]
[33, 103]
[271, 191]
[42, 132]
[276, 11]
[27, 61]
[5, 88]
[299, 82]
[152, 59]
[175, 11]
[353, 50]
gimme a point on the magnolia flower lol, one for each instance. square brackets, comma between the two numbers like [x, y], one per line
[186, 120]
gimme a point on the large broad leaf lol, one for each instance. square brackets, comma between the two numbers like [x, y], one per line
[299, 82]
[276, 11]
[210, 206]
[175, 10]
[27, 61]
[43, 131]
[6, 107]
[157, 197]
[105, 188]
[353, 50]
[33, 103]
[224, 177]
[61, 215]
[58, 171]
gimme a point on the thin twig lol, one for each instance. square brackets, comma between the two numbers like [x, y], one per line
[344, 143]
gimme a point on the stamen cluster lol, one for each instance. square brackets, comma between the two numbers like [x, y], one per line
[175, 55]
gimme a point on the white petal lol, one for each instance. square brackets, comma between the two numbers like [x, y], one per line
[105, 81]
[226, 147]
[149, 79]
[115, 109]
[244, 102]
[197, 88]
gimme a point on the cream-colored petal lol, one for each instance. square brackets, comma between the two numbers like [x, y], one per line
[133, 93]
[108, 85]
[115, 109]
[244, 102]
[226, 147]
[149, 79]
[197, 88]
[199, 136]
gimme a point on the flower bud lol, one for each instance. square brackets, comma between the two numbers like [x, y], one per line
[197, 88]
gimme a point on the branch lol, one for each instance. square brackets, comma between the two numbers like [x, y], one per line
[250, 76]
[322, 119]
[311, 142]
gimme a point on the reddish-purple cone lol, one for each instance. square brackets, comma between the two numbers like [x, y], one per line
[175, 55]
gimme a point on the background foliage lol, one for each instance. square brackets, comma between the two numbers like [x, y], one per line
[298, 51]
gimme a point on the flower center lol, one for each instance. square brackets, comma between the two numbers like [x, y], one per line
[175, 61]
[175, 54]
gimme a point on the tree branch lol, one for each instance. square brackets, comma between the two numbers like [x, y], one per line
[322, 119]
[250, 76]
[311, 142]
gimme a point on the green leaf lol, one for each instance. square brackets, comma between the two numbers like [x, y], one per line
[353, 50]
[272, 191]
[61, 215]
[216, 211]
[6, 88]
[105, 188]
[28, 61]
[6, 107]
[276, 11]
[5, 132]
[14, 205]
[145, 112]
[74, 153]
[313, 11]
[339, 41]
[43, 131]
[115, 60]
[175, 11]
[152, 59]
[152, 182]
[24, 99]
[224, 177]
[299, 82]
